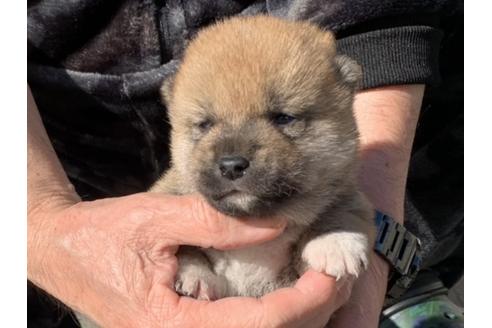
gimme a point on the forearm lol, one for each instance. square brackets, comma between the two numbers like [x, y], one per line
[48, 188]
[46, 181]
[386, 118]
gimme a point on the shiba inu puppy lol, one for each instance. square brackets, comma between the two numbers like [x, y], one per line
[262, 124]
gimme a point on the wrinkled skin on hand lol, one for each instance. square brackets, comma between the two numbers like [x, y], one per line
[114, 260]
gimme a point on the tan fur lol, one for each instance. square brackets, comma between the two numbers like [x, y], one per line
[236, 74]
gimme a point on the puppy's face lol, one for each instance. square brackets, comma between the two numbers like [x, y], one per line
[261, 115]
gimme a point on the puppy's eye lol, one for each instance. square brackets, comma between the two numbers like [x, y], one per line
[205, 125]
[282, 119]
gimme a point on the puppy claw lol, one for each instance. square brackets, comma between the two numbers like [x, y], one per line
[199, 284]
[338, 254]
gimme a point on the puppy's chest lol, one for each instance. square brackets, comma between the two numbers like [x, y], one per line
[253, 271]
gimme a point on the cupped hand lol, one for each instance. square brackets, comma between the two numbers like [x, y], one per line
[114, 260]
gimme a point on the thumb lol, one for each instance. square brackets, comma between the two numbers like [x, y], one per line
[307, 304]
[311, 301]
[190, 220]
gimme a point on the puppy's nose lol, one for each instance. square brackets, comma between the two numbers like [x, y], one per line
[233, 167]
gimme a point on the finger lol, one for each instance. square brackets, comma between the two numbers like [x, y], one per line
[313, 300]
[190, 220]
[313, 293]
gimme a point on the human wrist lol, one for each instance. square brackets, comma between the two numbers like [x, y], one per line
[48, 193]
[47, 222]
[367, 298]
[43, 235]
[45, 204]
[385, 192]
[377, 275]
[51, 264]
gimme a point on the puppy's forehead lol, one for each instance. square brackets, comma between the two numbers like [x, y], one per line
[245, 65]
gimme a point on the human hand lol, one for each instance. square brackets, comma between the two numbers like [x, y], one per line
[114, 259]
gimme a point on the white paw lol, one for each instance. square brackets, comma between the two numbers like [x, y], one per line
[338, 254]
[199, 283]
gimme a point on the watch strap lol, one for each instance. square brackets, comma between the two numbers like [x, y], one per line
[401, 249]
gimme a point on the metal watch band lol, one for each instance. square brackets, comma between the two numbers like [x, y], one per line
[401, 249]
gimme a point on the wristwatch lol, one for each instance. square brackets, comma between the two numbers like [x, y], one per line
[401, 249]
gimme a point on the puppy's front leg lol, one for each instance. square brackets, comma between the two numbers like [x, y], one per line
[195, 277]
[340, 242]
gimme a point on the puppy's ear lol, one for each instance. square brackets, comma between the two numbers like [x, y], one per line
[349, 70]
[167, 90]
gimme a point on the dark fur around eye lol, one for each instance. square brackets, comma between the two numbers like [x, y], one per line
[282, 119]
[205, 125]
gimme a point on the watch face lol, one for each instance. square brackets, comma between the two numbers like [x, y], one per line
[434, 312]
